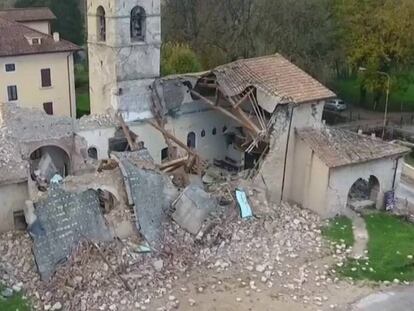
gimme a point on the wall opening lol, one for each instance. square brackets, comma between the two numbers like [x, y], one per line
[101, 24]
[364, 193]
[93, 153]
[119, 142]
[138, 24]
[164, 154]
[47, 161]
[107, 201]
[191, 140]
[19, 221]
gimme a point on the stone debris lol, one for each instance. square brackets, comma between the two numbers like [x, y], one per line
[275, 252]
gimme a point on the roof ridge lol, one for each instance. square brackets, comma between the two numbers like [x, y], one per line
[27, 8]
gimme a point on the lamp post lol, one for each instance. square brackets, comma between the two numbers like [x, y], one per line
[387, 97]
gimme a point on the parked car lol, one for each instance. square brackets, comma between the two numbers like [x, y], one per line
[336, 105]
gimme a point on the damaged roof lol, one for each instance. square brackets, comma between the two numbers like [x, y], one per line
[28, 14]
[274, 75]
[15, 37]
[336, 147]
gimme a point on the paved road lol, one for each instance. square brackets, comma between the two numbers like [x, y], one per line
[396, 300]
[405, 192]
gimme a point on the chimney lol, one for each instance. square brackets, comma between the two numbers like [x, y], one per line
[56, 36]
[360, 132]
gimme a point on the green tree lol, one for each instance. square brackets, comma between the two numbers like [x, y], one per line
[69, 23]
[178, 58]
[378, 35]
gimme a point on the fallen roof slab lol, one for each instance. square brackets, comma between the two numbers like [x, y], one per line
[65, 219]
[152, 194]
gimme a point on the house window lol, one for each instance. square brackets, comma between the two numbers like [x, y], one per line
[101, 24]
[46, 78]
[214, 132]
[138, 24]
[191, 140]
[10, 67]
[48, 107]
[12, 92]
[224, 129]
[203, 133]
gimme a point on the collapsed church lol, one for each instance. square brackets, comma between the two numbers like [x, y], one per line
[258, 118]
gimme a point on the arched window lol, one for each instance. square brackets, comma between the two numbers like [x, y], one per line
[214, 131]
[101, 24]
[191, 140]
[138, 24]
[203, 133]
[93, 153]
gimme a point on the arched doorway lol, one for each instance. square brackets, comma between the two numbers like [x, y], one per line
[364, 193]
[47, 161]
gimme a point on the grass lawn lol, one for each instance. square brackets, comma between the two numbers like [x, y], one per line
[14, 303]
[390, 251]
[82, 90]
[348, 90]
[409, 159]
[339, 231]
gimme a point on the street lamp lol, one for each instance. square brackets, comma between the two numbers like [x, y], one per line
[363, 69]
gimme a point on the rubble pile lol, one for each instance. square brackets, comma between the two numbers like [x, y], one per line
[273, 251]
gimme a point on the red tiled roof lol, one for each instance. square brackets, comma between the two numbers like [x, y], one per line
[14, 41]
[274, 75]
[336, 147]
[27, 14]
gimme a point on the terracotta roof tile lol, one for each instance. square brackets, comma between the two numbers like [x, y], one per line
[14, 41]
[28, 14]
[274, 75]
[336, 147]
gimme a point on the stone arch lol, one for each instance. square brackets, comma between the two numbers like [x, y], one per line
[365, 190]
[138, 24]
[101, 23]
[50, 160]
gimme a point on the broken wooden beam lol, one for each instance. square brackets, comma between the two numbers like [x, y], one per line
[127, 133]
[168, 164]
[250, 125]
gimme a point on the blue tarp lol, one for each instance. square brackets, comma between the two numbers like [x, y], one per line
[245, 209]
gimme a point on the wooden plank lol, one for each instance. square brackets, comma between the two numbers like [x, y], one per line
[243, 99]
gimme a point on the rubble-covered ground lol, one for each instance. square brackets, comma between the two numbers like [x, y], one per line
[277, 262]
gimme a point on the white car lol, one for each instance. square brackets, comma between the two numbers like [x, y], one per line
[336, 105]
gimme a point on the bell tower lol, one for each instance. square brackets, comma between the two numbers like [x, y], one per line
[124, 42]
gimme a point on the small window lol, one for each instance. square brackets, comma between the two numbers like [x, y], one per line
[101, 25]
[224, 129]
[93, 153]
[12, 92]
[36, 41]
[191, 140]
[10, 67]
[203, 133]
[214, 132]
[164, 154]
[46, 78]
[48, 107]
[138, 24]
